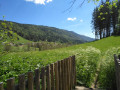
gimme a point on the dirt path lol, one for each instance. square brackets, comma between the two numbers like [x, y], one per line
[81, 88]
[95, 83]
[84, 88]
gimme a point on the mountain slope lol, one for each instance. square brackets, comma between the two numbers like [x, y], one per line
[50, 34]
[87, 54]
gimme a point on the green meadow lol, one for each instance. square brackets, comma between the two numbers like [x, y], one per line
[92, 57]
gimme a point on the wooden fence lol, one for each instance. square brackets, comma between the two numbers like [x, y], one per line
[117, 68]
[60, 75]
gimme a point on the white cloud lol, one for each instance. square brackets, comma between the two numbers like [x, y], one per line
[81, 20]
[49, 1]
[39, 1]
[71, 19]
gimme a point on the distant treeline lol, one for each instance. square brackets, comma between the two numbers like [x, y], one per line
[106, 19]
[50, 34]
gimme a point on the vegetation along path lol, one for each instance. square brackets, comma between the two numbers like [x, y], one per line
[88, 58]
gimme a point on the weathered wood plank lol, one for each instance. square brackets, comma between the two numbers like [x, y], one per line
[48, 77]
[56, 76]
[11, 84]
[65, 68]
[1, 86]
[59, 74]
[30, 81]
[37, 79]
[67, 72]
[116, 68]
[52, 77]
[21, 82]
[74, 72]
[43, 78]
[62, 74]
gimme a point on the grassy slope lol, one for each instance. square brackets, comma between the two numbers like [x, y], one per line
[57, 54]
[103, 44]
[22, 40]
[32, 59]
[106, 43]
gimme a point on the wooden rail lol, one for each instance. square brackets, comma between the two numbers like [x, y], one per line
[60, 75]
[117, 68]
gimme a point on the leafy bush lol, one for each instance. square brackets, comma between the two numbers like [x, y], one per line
[107, 78]
[7, 47]
[86, 63]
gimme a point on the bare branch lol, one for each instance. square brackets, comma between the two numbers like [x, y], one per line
[82, 3]
[71, 6]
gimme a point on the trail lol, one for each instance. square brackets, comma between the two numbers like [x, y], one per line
[84, 88]
[95, 85]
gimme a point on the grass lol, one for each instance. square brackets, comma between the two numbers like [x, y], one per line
[22, 44]
[22, 40]
[88, 56]
[103, 44]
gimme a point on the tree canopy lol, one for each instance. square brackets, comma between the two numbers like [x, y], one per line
[6, 32]
[105, 19]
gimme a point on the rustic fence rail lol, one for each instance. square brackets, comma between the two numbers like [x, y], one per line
[117, 68]
[60, 75]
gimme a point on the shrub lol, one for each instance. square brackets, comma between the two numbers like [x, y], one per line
[7, 47]
[107, 78]
[86, 64]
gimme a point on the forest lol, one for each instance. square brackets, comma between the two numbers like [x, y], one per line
[44, 33]
[106, 19]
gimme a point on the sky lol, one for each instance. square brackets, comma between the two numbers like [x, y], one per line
[51, 13]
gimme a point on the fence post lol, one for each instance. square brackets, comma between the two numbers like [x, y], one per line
[43, 78]
[66, 73]
[21, 82]
[70, 73]
[37, 79]
[30, 81]
[56, 77]
[48, 77]
[1, 86]
[118, 62]
[117, 68]
[52, 77]
[64, 81]
[59, 74]
[62, 74]
[74, 71]
[11, 84]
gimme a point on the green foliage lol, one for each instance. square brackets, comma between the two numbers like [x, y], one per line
[88, 56]
[7, 36]
[50, 34]
[22, 44]
[105, 19]
[107, 71]
[87, 63]
[6, 33]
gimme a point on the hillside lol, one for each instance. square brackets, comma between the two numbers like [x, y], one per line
[50, 34]
[89, 57]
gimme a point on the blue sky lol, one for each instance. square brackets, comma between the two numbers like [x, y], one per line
[50, 13]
